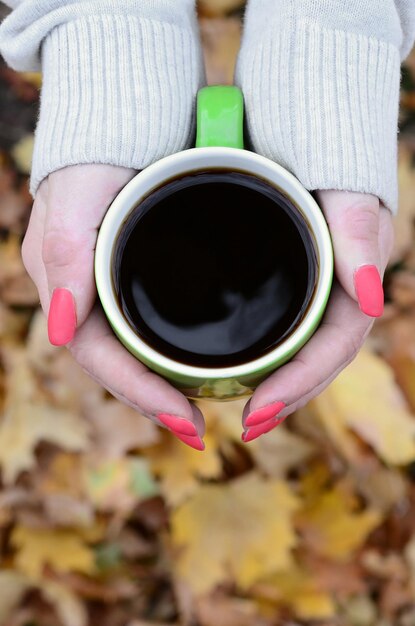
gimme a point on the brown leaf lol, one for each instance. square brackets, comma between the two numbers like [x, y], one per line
[16, 287]
[280, 451]
[219, 8]
[13, 586]
[221, 41]
[118, 428]
[217, 609]
[13, 204]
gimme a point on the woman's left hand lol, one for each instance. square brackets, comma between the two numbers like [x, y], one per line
[362, 234]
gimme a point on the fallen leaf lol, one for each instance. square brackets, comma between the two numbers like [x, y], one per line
[13, 204]
[217, 609]
[34, 78]
[13, 586]
[382, 487]
[404, 220]
[69, 608]
[332, 524]
[180, 467]
[366, 399]
[119, 484]
[63, 550]
[395, 340]
[361, 611]
[16, 287]
[225, 532]
[298, 589]
[217, 8]
[221, 39]
[28, 420]
[22, 154]
[280, 451]
[118, 429]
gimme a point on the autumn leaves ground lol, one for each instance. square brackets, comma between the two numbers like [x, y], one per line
[106, 520]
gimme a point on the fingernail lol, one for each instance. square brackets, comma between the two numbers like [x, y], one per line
[62, 317]
[263, 415]
[369, 290]
[193, 442]
[178, 424]
[257, 431]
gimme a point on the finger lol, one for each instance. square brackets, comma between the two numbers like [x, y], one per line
[31, 250]
[106, 360]
[353, 219]
[329, 351]
[78, 199]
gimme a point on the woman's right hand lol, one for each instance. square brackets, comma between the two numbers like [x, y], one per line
[58, 253]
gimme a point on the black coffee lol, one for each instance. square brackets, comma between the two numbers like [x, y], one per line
[215, 268]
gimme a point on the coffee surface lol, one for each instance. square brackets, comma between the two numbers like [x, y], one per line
[215, 268]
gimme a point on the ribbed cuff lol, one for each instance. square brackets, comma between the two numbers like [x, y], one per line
[324, 104]
[118, 90]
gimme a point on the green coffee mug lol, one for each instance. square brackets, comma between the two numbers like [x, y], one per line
[219, 144]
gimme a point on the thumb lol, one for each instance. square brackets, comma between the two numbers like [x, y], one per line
[353, 219]
[78, 198]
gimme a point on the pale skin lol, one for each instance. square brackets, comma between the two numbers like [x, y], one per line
[58, 252]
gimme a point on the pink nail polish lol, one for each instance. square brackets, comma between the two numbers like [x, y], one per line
[263, 415]
[369, 290]
[257, 431]
[62, 317]
[193, 442]
[178, 424]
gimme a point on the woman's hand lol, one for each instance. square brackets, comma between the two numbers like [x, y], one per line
[58, 253]
[362, 234]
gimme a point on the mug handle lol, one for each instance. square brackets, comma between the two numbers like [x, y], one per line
[220, 117]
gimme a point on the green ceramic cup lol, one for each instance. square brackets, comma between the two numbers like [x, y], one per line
[219, 143]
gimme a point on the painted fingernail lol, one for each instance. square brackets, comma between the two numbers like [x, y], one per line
[369, 290]
[266, 413]
[257, 431]
[62, 317]
[193, 442]
[178, 424]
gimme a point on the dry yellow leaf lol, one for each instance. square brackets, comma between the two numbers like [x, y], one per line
[332, 525]
[298, 589]
[180, 466]
[25, 425]
[22, 153]
[34, 78]
[63, 550]
[239, 531]
[366, 399]
[28, 419]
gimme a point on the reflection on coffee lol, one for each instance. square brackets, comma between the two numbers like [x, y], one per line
[214, 268]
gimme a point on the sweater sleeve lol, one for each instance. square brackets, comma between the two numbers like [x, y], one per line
[321, 85]
[119, 78]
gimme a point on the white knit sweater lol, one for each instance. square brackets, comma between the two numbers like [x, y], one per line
[320, 80]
